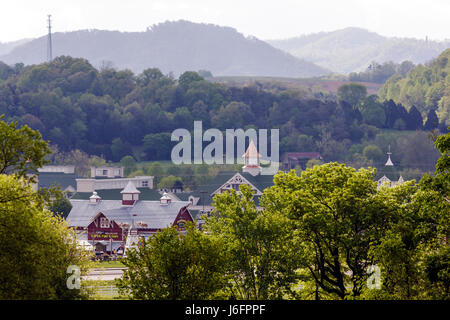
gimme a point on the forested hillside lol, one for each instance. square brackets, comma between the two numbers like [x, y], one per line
[7, 47]
[171, 47]
[427, 87]
[354, 49]
[114, 113]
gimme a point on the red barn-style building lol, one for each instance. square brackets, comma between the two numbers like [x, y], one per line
[113, 224]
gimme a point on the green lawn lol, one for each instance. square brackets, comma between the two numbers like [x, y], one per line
[108, 264]
[102, 290]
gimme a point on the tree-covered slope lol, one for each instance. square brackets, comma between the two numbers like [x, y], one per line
[354, 49]
[426, 86]
[171, 47]
[115, 113]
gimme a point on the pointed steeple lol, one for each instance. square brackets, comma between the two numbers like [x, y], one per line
[251, 160]
[389, 161]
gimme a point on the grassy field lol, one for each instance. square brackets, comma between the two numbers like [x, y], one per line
[102, 290]
[321, 83]
[108, 264]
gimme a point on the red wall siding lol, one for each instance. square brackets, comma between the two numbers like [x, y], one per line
[95, 232]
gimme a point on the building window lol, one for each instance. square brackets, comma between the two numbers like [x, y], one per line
[235, 186]
[104, 223]
[145, 183]
[105, 172]
[127, 196]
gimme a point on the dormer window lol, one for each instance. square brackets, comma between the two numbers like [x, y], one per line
[127, 196]
[165, 199]
[104, 222]
[130, 194]
[94, 198]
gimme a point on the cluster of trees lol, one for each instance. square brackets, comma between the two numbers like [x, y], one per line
[36, 245]
[112, 114]
[425, 86]
[385, 114]
[321, 231]
[379, 73]
[326, 234]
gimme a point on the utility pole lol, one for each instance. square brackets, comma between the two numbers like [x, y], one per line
[49, 40]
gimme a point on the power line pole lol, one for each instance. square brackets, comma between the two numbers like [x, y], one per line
[49, 40]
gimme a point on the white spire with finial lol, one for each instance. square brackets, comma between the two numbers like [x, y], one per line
[251, 160]
[389, 161]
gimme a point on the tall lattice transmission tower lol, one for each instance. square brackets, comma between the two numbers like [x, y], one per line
[49, 40]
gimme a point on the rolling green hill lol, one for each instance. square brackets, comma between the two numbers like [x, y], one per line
[172, 47]
[353, 49]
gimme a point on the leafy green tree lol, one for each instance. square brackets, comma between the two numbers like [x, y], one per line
[432, 121]
[5, 71]
[261, 250]
[424, 87]
[155, 169]
[442, 143]
[149, 75]
[173, 170]
[119, 149]
[129, 164]
[96, 161]
[437, 270]
[22, 150]
[338, 216]
[80, 160]
[374, 153]
[135, 173]
[157, 146]
[372, 112]
[415, 121]
[61, 207]
[234, 115]
[36, 248]
[417, 151]
[172, 266]
[169, 182]
[418, 223]
[399, 124]
[353, 93]
[313, 162]
[189, 77]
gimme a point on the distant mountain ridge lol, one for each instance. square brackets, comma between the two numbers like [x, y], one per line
[172, 47]
[353, 49]
[7, 47]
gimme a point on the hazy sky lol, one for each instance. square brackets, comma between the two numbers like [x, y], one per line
[261, 18]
